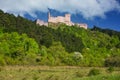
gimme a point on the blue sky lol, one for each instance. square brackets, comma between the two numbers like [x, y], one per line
[102, 13]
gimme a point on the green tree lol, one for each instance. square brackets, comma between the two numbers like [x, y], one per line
[17, 47]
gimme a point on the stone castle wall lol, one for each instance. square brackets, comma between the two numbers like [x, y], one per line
[60, 19]
[40, 22]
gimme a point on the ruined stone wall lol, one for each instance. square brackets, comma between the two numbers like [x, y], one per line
[41, 23]
[60, 19]
[83, 25]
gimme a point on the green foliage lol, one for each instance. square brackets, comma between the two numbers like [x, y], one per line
[2, 61]
[110, 69]
[94, 72]
[17, 49]
[70, 41]
[113, 61]
[57, 45]
[54, 55]
[107, 31]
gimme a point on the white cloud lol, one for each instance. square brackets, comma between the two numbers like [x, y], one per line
[87, 8]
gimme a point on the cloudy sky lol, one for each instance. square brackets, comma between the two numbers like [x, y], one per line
[103, 13]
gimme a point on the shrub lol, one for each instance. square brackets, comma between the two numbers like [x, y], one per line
[2, 62]
[16, 49]
[94, 72]
[110, 69]
[113, 61]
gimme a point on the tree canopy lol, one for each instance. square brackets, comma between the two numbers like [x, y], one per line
[24, 42]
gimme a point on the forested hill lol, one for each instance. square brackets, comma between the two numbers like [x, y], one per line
[66, 45]
[106, 31]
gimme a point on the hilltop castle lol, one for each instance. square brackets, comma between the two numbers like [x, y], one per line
[60, 19]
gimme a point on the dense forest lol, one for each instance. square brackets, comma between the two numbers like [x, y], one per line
[22, 42]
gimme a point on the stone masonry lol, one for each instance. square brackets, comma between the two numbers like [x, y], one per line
[60, 19]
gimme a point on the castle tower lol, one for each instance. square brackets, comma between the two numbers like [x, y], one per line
[48, 15]
[67, 17]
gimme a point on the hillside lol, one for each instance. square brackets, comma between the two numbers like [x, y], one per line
[66, 45]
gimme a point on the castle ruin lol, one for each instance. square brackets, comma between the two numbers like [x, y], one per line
[60, 19]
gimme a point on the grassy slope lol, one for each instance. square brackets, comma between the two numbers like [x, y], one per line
[54, 73]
